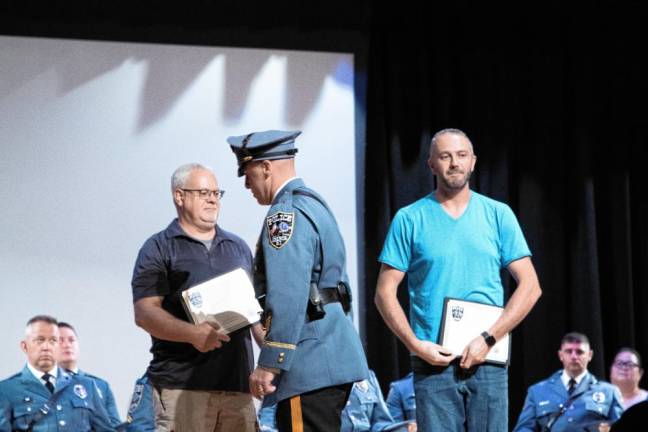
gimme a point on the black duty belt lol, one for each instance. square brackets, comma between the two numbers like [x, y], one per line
[329, 295]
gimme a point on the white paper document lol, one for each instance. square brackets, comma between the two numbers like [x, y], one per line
[463, 320]
[226, 301]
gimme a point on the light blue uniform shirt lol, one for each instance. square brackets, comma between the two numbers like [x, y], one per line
[447, 257]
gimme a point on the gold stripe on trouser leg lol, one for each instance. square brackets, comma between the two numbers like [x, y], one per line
[296, 414]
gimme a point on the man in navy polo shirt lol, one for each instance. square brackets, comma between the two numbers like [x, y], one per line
[200, 375]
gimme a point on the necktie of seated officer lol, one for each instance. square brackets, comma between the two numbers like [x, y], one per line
[571, 386]
[46, 377]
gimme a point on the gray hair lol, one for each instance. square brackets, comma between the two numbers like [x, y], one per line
[47, 319]
[181, 174]
[453, 131]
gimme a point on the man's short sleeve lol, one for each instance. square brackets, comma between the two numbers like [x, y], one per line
[397, 249]
[150, 272]
[513, 245]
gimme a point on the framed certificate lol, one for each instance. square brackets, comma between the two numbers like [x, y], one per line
[226, 301]
[464, 320]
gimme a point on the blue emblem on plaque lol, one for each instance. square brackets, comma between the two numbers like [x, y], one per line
[195, 299]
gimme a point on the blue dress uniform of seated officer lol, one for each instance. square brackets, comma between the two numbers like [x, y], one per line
[105, 393]
[401, 400]
[549, 407]
[75, 405]
[300, 255]
[366, 410]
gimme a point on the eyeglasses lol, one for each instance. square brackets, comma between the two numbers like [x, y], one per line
[624, 364]
[207, 193]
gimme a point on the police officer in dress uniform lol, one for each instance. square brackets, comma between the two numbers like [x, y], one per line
[311, 354]
[401, 400]
[68, 359]
[43, 397]
[571, 399]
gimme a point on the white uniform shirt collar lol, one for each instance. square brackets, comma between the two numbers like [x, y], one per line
[564, 377]
[38, 374]
[283, 186]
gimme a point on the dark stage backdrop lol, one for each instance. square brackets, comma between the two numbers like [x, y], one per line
[555, 104]
[556, 111]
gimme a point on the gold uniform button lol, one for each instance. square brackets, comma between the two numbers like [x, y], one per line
[281, 357]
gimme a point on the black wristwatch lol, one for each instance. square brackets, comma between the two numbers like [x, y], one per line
[490, 340]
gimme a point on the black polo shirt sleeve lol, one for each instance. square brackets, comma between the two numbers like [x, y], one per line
[150, 272]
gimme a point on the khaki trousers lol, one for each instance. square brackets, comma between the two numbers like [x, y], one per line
[203, 411]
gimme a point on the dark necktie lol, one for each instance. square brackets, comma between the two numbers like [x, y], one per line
[571, 386]
[46, 377]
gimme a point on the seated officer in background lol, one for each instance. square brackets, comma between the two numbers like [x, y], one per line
[572, 398]
[43, 397]
[365, 411]
[68, 358]
[401, 401]
[311, 354]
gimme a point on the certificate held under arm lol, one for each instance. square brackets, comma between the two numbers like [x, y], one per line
[226, 301]
[463, 320]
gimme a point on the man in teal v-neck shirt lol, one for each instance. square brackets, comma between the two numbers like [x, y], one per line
[453, 243]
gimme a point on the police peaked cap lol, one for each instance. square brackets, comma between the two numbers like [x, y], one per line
[268, 145]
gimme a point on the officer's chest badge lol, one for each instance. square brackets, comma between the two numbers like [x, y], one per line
[280, 228]
[598, 397]
[80, 391]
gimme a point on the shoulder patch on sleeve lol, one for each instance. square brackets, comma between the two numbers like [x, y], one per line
[280, 228]
[138, 393]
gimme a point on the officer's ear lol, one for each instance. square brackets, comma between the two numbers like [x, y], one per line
[23, 346]
[266, 168]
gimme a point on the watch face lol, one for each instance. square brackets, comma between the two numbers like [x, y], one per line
[490, 340]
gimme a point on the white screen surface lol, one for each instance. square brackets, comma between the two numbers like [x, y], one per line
[91, 133]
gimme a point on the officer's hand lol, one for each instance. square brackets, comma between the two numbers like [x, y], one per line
[411, 427]
[207, 338]
[261, 382]
[474, 353]
[434, 354]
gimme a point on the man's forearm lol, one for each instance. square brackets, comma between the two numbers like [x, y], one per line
[391, 310]
[163, 325]
[396, 320]
[521, 302]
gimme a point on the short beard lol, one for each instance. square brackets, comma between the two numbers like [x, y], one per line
[458, 184]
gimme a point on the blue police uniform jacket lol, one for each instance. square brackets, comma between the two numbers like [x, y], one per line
[593, 402]
[366, 410]
[401, 400]
[301, 244]
[141, 414]
[76, 405]
[106, 395]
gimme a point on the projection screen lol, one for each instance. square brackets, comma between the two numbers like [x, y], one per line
[91, 132]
